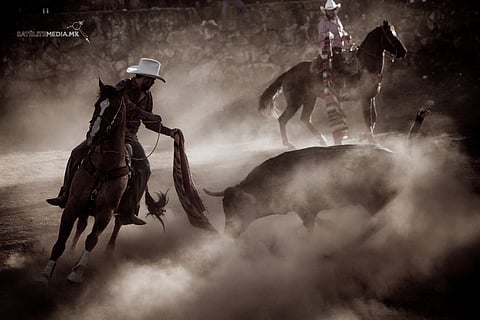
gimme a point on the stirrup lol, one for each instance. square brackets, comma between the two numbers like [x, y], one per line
[131, 219]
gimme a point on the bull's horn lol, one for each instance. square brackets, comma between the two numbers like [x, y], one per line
[214, 194]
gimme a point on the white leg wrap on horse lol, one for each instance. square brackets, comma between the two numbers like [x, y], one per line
[84, 258]
[49, 267]
[48, 270]
[46, 273]
[79, 269]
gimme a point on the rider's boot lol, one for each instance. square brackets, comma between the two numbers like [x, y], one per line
[60, 200]
[130, 219]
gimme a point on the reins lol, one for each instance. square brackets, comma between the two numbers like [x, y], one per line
[154, 147]
[115, 116]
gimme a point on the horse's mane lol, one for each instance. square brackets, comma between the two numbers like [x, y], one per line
[107, 91]
[371, 33]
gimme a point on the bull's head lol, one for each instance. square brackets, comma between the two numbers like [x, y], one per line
[239, 207]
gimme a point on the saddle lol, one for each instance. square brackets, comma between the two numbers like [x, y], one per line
[350, 65]
[350, 62]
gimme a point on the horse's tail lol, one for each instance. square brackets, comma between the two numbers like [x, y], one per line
[156, 208]
[265, 105]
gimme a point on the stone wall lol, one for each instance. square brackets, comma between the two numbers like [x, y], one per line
[282, 34]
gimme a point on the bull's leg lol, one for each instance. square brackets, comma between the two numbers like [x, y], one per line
[113, 238]
[308, 219]
[81, 226]
[102, 219]
[290, 110]
[306, 118]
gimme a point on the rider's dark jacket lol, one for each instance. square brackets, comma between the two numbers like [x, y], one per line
[139, 108]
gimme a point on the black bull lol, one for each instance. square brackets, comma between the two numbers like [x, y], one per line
[308, 181]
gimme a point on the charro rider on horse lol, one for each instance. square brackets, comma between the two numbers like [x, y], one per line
[330, 22]
[139, 104]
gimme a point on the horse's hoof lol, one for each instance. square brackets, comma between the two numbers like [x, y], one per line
[289, 146]
[77, 274]
[323, 141]
[42, 281]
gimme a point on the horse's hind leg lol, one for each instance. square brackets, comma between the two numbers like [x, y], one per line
[113, 238]
[289, 112]
[306, 118]
[81, 226]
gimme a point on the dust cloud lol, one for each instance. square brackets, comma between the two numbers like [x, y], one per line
[278, 270]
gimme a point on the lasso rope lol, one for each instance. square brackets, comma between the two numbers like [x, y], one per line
[335, 114]
[154, 147]
[185, 187]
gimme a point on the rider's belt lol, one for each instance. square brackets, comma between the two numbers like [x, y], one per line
[337, 50]
[101, 176]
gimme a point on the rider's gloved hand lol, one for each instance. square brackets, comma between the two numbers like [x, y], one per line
[173, 132]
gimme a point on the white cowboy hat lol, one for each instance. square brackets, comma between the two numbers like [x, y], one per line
[330, 5]
[147, 67]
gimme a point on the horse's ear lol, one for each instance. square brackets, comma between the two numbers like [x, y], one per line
[385, 23]
[100, 84]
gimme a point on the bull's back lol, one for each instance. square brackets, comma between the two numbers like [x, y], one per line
[323, 178]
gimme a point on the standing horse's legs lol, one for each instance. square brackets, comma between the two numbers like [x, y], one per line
[289, 112]
[101, 221]
[81, 226]
[373, 114]
[370, 116]
[306, 118]
[113, 238]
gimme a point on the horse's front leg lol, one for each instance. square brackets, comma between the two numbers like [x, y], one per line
[106, 203]
[369, 111]
[66, 226]
[69, 215]
[81, 226]
[102, 218]
[113, 238]
[77, 201]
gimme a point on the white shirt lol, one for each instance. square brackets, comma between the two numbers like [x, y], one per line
[334, 26]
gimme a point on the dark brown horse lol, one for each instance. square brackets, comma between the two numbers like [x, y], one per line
[301, 87]
[98, 184]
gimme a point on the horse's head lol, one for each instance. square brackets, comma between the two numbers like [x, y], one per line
[391, 42]
[107, 110]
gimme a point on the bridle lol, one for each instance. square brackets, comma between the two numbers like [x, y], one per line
[387, 36]
[384, 36]
[109, 126]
